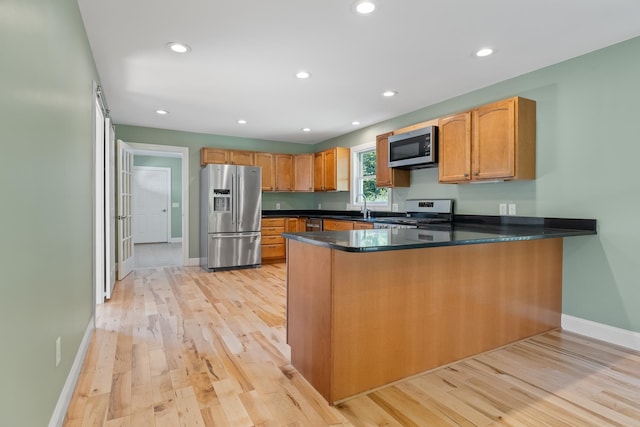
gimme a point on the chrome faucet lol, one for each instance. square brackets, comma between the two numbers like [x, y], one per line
[366, 213]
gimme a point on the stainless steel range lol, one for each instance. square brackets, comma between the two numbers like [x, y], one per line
[420, 213]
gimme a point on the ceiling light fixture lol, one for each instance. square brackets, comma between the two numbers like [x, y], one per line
[306, 129]
[389, 93]
[303, 74]
[242, 122]
[355, 123]
[485, 51]
[162, 112]
[179, 47]
[365, 7]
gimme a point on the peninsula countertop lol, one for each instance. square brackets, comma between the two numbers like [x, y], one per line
[466, 230]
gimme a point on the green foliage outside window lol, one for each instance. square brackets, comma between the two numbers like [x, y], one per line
[368, 179]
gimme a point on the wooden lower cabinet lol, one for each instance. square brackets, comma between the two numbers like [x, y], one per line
[357, 225]
[358, 321]
[337, 225]
[273, 244]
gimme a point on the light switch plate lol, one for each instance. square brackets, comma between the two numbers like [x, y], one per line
[277, 205]
[175, 204]
[512, 209]
[503, 208]
[394, 207]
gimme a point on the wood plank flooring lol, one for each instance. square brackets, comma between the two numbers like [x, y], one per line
[178, 346]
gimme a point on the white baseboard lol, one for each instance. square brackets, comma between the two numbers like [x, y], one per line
[175, 240]
[60, 411]
[610, 334]
[193, 262]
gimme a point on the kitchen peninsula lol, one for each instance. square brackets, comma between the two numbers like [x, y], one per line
[369, 307]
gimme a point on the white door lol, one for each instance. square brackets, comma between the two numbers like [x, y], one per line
[109, 208]
[151, 201]
[125, 184]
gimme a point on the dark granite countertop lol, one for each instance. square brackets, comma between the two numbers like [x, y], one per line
[465, 230]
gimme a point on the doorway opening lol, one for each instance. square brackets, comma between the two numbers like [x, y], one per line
[174, 249]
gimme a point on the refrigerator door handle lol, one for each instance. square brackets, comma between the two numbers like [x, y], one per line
[233, 236]
[238, 216]
[234, 202]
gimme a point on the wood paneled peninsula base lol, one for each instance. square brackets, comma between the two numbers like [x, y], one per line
[360, 320]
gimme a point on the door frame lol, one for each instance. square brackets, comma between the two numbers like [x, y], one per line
[182, 153]
[168, 185]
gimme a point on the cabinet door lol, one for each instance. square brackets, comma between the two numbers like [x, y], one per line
[303, 172]
[454, 147]
[284, 172]
[213, 156]
[493, 144]
[357, 225]
[318, 171]
[265, 161]
[386, 176]
[292, 225]
[330, 168]
[243, 158]
[333, 225]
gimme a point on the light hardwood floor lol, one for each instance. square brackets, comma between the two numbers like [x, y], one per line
[178, 346]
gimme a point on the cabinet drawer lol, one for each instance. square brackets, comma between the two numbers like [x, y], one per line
[272, 240]
[272, 231]
[274, 251]
[272, 222]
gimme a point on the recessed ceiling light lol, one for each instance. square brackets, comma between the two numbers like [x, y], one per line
[389, 93]
[162, 112]
[179, 47]
[485, 51]
[303, 74]
[242, 122]
[306, 129]
[365, 7]
[355, 123]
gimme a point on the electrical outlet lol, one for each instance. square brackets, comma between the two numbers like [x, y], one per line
[58, 350]
[503, 208]
[277, 205]
[319, 205]
[394, 207]
[512, 208]
[175, 204]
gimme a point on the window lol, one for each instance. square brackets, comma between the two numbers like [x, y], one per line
[363, 179]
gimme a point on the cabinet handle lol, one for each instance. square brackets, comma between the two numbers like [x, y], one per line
[476, 174]
[466, 175]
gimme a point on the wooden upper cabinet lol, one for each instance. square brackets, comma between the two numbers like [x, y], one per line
[266, 162]
[492, 142]
[386, 176]
[243, 158]
[331, 169]
[454, 148]
[318, 171]
[210, 155]
[213, 156]
[303, 172]
[504, 138]
[284, 172]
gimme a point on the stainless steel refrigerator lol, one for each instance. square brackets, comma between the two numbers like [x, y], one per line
[230, 214]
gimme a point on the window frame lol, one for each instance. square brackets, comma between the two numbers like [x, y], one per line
[354, 201]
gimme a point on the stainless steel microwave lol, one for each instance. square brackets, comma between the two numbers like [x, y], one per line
[415, 149]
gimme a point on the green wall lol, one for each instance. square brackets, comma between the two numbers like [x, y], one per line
[195, 141]
[175, 164]
[587, 154]
[46, 180]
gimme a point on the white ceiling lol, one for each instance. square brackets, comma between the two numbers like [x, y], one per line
[245, 55]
